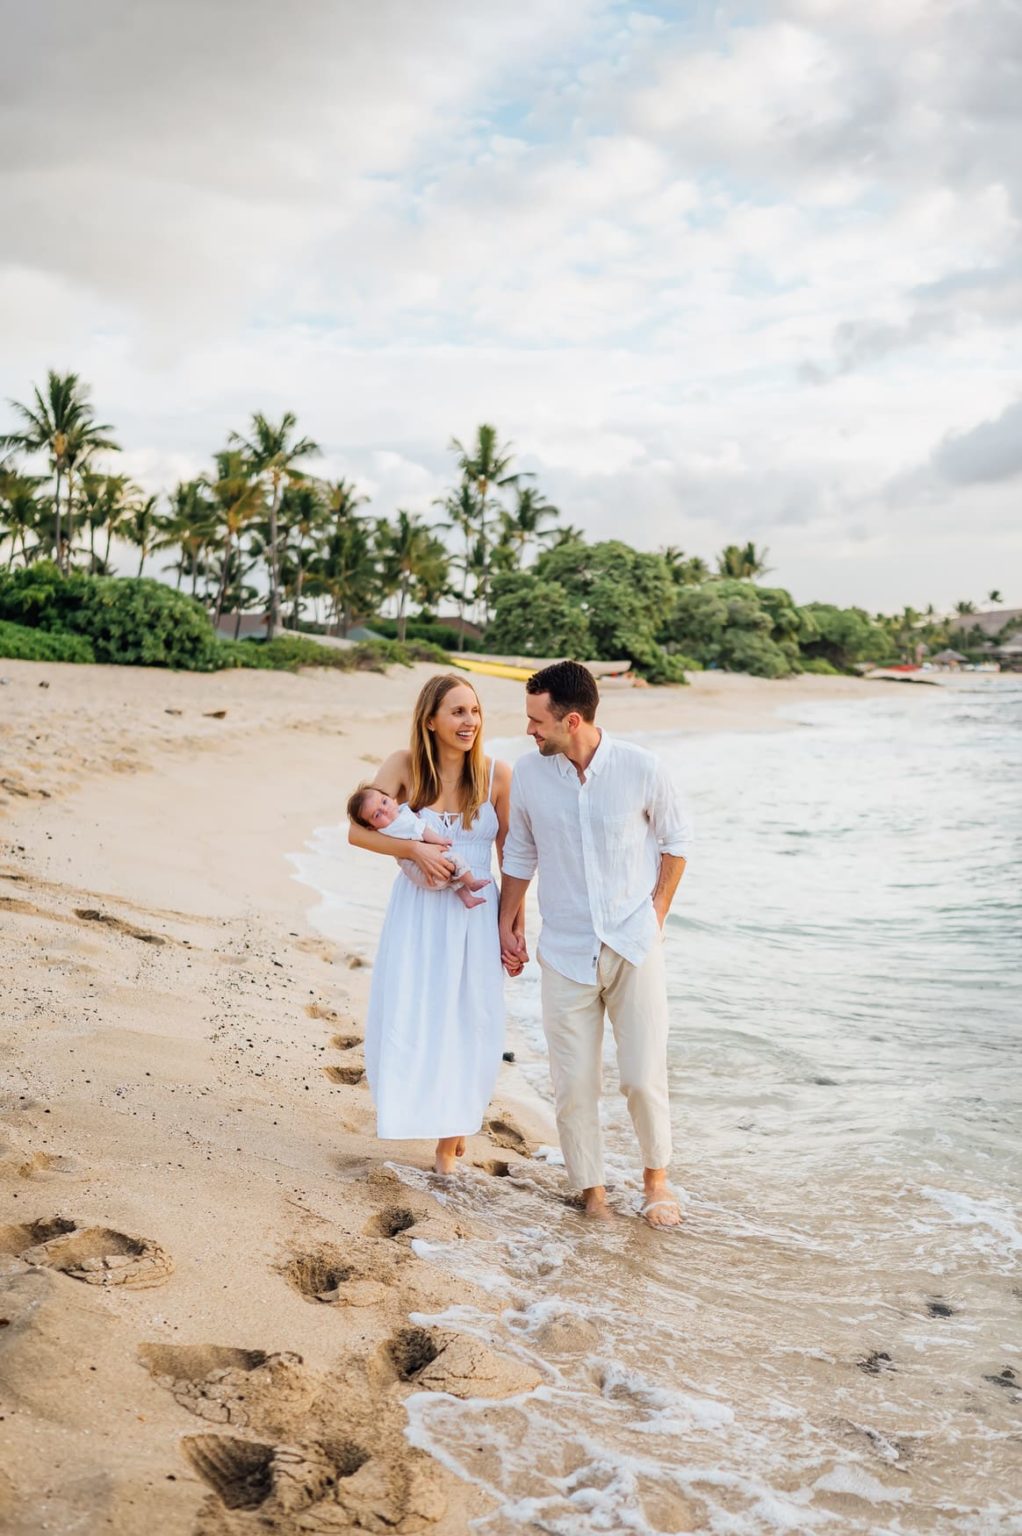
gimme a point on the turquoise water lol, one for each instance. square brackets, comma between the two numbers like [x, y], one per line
[835, 1340]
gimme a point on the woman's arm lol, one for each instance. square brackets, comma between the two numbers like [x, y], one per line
[430, 858]
[501, 804]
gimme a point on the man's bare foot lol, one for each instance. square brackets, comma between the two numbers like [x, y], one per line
[659, 1204]
[594, 1204]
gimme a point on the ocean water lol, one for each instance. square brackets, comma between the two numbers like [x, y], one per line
[834, 1339]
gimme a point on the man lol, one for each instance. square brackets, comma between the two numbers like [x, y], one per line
[600, 820]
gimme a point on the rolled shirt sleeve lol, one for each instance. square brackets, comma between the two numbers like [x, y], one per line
[519, 846]
[669, 816]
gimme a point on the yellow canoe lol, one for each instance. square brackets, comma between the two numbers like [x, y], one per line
[494, 668]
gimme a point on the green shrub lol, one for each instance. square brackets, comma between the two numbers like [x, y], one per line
[129, 621]
[289, 652]
[844, 636]
[818, 666]
[20, 643]
[538, 618]
[439, 635]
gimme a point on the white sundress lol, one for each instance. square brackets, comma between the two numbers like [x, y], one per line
[435, 1027]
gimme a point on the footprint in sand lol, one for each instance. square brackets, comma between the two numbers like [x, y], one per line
[346, 1076]
[496, 1168]
[505, 1132]
[327, 1277]
[95, 1255]
[18, 1239]
[94, 915]
[451, 1363]
[247, 1388]
[313, 1485]
[321, 1011]
[391, 1222]
[40, 1165]
[345, 1042]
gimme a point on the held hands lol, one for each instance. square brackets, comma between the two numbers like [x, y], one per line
[514, 952]
[432, 860]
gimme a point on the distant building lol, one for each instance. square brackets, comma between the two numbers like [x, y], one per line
[1010, 654]
[952, 660]
[245, 625]
[990, 622]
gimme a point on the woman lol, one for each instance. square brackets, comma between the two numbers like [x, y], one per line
[436, 1010]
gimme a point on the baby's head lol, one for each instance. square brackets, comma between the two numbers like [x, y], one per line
[371, 808]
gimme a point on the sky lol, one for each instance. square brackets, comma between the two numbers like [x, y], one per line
[718, 272]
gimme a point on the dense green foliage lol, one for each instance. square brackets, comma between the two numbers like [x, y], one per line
[429, 630]
[20, 643]
[605, 600]
[126, 620]
[844, 636]
[132, 621]
[533, 617]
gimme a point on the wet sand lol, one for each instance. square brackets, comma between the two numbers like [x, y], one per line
[206, 1265]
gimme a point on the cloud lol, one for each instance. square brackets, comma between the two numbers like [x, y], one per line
[637, 241]
[989, 452]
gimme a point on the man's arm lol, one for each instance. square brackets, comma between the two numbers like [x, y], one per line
[513, 950]
[668, 879]
[669, 818]
[517, 869]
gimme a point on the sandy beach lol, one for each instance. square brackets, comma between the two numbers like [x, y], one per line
[207, 1268]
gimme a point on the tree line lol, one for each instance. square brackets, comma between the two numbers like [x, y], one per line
[259, 528]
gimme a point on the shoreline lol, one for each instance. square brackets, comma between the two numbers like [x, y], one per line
[183, 1067]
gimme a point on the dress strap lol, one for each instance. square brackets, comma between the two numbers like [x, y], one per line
[493, 765]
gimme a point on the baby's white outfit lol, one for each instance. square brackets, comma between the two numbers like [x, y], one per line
[408, 824]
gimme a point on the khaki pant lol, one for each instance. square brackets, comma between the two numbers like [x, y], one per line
[635, 999]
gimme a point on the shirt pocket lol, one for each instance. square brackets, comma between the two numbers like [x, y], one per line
[620, 829]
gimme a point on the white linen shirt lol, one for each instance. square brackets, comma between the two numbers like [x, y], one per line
[597, 846]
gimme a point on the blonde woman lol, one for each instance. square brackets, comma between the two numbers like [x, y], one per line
[435, 1027]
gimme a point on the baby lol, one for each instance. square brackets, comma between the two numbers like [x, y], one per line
[371, 808]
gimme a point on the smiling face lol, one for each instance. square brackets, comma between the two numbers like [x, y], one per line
[550, 734]
[378, 809]
[458, 719]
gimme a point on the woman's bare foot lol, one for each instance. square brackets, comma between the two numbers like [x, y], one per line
[447, 1153]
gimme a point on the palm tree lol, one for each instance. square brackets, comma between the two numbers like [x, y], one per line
[22, 512]
[487, 463]
[462, 508]
[414, 562]
[742, 564]
[238, 498]
[59, 422]
[994, 596]
[525, 523]
[273, 453]
[965, 607]
[686, 570]
[142, 528]
[191, 528]
[303, 515]
[344, 570]
[567, 533]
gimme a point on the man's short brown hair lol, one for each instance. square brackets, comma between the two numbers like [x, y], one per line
[571, 686]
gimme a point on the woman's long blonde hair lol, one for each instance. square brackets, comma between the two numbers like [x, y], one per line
[425, 786]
